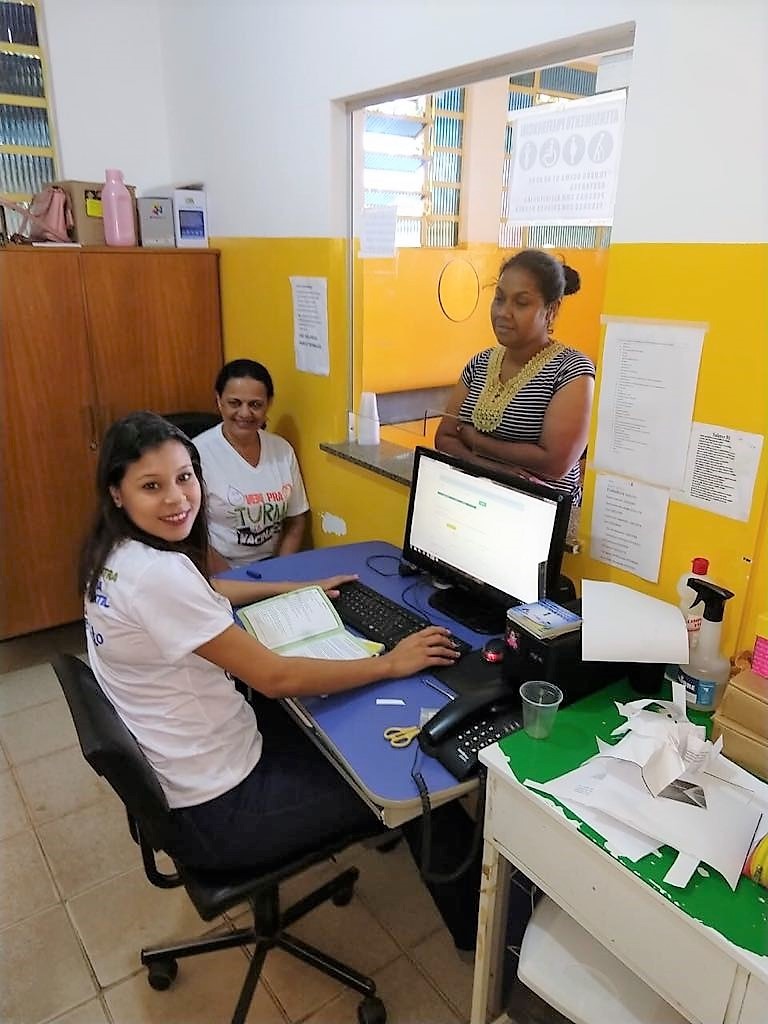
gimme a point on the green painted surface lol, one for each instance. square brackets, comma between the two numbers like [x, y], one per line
[740, 916]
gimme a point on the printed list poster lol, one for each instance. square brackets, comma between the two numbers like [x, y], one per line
[628, 522]
[721, 470]
[648, 386]
[310, 324]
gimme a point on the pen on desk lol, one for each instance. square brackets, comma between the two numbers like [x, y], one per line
[253, 574]
[434, 686]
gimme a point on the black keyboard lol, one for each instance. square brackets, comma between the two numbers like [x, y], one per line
[380, 618]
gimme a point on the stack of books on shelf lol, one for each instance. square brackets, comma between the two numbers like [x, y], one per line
[544, 619]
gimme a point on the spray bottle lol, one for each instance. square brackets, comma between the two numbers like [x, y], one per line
[707, 670]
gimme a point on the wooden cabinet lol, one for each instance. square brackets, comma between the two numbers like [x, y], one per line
[86, 336]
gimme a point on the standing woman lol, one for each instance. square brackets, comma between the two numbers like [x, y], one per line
[164, 648]
[525, 404]
[257, 505]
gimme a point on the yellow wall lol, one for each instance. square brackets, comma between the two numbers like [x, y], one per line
[410, 343]
[721, 284]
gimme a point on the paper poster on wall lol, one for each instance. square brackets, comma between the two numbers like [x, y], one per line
[378, 225]
[566, 162]
[645, 406]
[310, 324]
[721, 470]
[628, 521]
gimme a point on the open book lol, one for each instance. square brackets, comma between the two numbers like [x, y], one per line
[303, 623]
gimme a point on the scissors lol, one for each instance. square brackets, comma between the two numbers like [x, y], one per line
[401, 735]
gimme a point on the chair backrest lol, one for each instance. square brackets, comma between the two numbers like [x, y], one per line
[192, 423]
[112, 751]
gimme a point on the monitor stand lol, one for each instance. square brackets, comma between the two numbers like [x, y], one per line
[475, 612]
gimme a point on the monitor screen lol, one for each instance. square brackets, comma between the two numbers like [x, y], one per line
[501, 538]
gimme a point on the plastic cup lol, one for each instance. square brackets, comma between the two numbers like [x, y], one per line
[540, 703]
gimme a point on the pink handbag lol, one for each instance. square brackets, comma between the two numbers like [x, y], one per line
[48, 217]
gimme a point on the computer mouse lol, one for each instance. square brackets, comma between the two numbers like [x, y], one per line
[493, 650]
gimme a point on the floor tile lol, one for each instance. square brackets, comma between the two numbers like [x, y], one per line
[407, 995]
[449, 974]
[42, 969]
[91, 1012]
[13, 817]
[88, 846]
[36, 648]
[25, 882]
[138, 915]
[37, 731]
[391, 887]
[59, 784]
[205, 990]
[27, 688]
[3, 762]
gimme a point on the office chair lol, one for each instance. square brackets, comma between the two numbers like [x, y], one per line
[192, 423]
[111, 750]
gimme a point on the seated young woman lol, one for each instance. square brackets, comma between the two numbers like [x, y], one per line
[257, 505]
[524, 405]
[164, 647]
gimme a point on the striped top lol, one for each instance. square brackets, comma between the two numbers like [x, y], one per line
[523, 418]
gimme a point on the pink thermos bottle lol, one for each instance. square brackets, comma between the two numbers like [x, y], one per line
[117, 207]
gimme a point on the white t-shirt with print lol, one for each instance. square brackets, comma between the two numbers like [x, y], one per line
[248, 504]
[152, 610]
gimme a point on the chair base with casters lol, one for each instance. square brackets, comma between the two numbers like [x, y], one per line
[113, 753]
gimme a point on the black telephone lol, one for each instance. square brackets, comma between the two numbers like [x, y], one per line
[470, 722]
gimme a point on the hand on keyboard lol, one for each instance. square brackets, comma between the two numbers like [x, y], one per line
[428, 648]
[331, 584]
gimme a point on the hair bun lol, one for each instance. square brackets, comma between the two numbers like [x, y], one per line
[572, 280]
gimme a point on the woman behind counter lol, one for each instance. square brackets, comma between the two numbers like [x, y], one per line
[257, 505]
[527, 403]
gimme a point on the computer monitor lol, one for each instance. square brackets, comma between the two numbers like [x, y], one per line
[496, 540]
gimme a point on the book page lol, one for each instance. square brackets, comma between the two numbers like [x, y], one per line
[287, 618]
[338, 647]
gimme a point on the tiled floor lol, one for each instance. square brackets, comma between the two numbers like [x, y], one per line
[75, 906]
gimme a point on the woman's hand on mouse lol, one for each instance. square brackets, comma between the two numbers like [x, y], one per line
[430, 646]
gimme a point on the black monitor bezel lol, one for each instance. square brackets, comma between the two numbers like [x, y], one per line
[455, 577]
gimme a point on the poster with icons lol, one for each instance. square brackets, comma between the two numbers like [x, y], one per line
[565, 162]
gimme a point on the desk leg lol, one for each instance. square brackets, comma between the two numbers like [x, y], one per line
[736, 998]
[491, 929]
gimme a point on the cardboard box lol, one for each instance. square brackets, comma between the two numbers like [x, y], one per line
[742, 745]
[85, 202]
[156, 222]
[190, 213]
[745, 702]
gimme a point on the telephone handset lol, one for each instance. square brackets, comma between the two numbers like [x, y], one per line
[470, 722]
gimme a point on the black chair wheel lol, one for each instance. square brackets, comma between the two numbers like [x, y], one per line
[372, 1011]
[343, 896]
[161, 974]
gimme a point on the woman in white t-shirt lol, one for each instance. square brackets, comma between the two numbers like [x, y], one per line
[165, 649]
[257, 505]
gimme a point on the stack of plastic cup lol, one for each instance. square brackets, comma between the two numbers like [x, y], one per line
[540, 703]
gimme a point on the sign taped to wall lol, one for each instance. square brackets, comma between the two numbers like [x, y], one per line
[566, 162]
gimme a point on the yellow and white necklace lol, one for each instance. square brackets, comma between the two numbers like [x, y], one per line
[496, 395]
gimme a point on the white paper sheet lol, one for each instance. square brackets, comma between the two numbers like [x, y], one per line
[620, 624]
[378, 226]
[648, 385]
[310, 324]
[720, 834]
[720, 470]
[340, 647]
[296, 616]
[628, 522]
[570, 789]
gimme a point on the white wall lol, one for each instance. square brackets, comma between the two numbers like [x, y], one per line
[106, 72]
[483, 160]
[252, 90]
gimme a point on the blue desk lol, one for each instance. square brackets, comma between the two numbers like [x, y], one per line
[348, 727]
